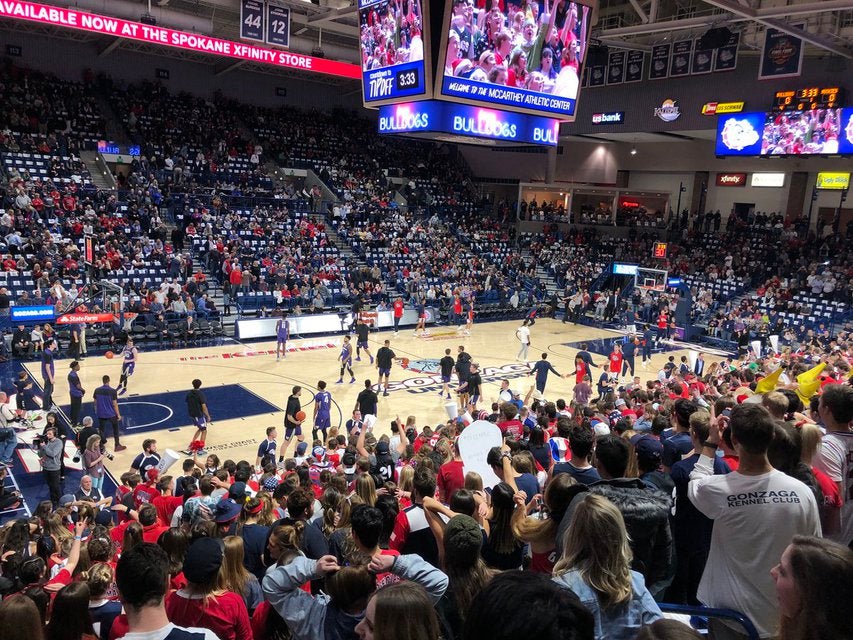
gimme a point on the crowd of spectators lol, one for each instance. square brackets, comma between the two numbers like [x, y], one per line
[718, 483]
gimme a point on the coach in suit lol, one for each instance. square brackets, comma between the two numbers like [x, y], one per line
[699, 369]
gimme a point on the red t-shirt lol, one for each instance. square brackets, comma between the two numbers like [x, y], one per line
[451, 478]
[512, 428]
[398, 309]
[166, 507]
[225, 615]
[152, 532]
[616, 363]
[143, 494]
[387, 578]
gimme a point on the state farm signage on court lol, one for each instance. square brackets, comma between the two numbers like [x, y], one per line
[107, 25]
[731, 179]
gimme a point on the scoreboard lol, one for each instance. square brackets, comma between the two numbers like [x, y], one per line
[808, 99]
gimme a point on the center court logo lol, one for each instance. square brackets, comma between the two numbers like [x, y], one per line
[431, 383]
[429, 366]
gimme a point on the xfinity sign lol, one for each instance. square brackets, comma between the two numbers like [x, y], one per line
[615, 117]
[731, 179]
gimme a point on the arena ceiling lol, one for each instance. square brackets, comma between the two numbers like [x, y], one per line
[332, 25]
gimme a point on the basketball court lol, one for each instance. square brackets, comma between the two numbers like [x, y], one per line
[247, 389]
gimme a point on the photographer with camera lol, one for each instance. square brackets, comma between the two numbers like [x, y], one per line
[8, 437]
[50, 456]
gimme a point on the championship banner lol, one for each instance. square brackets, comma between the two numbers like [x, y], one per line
[152, 34]
[726, 58]
[679, 65]
[85, 318]
[782, 55]
[597, 75]
[702, 59]
[615, 67]
[636, 63]
[659, 68]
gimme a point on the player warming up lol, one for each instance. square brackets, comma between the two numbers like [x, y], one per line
[384, 358]
[197, 408]
[447, 363]
[421, 310]
[322, 411]
[346, 361]
[362, 330]
[294, 416]
[129, 356]
[282, 335]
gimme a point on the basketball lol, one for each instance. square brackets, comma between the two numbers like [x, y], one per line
[300, 416]
[404, 362]
[109, 355]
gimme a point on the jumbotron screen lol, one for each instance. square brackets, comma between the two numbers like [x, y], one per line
[394, 46]
[517, 55]
[787, 133]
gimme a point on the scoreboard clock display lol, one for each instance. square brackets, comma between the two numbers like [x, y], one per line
[808, 99]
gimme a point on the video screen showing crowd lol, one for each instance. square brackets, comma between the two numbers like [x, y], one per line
[391, 34]
[806, 132]
[532, 45]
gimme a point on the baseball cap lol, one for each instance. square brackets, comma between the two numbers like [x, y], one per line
[301, 448]
[104, 518]
[237, 492]
[382, 447]
[66, 500]
[203, 559]
[318, 452]
[647, 449]
[621, 403]
[271, 483]
[226, 510]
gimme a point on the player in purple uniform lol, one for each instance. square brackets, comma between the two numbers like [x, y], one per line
[282, 335]
[129, 356]
[346, 361]
[322, 411]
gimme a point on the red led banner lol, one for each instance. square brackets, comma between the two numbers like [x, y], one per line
[106, 25]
